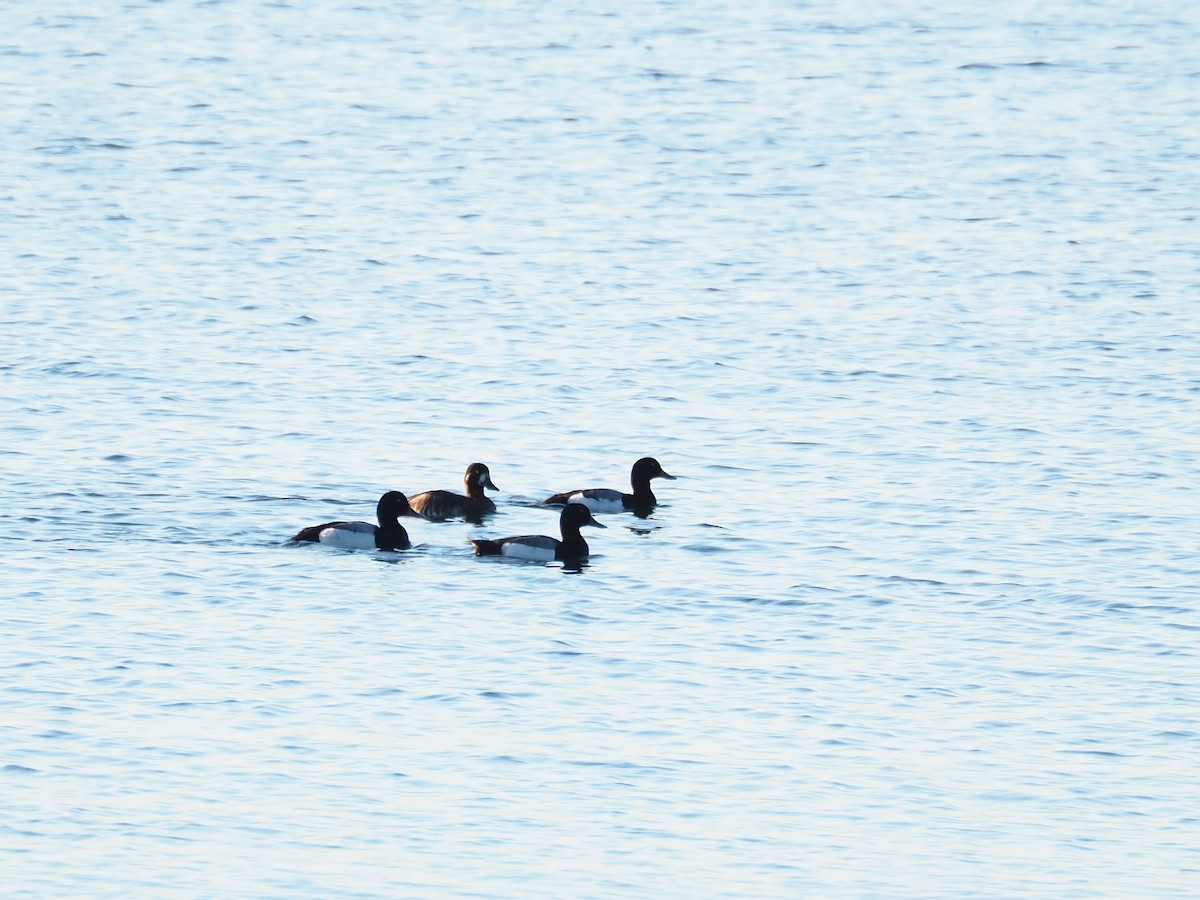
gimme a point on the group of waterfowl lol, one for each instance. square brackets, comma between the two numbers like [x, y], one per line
[577, 509]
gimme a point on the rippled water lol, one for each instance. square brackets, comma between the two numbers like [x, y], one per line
[905, 297]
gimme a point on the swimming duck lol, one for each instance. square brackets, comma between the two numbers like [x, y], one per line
[389, 534]
[608, 500]
[449, 505]
[539, 546]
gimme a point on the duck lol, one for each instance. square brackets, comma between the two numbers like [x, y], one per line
[389, 534]
[449, 505]
[541, 548]
[606, 500]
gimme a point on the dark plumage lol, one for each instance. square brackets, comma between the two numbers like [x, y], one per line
[539, 546]
[389, 534]
[449, 505]
[608, 500]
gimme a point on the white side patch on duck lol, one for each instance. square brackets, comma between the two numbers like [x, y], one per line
[541, 551]
[599, 500]
[351, 536]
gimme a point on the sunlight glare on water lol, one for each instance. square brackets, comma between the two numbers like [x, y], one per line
[903, 297]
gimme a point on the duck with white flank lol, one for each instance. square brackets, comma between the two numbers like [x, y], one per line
[449, 505]
[542, 548]
[389, 534]
[606, 500]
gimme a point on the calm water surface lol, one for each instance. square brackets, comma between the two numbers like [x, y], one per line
[905, 297]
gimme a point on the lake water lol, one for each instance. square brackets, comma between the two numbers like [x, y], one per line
[906, 297]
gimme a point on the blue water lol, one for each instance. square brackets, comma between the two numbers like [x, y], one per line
[904, 296]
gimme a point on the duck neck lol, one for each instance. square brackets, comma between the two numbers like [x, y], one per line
[573, 543]
[641, 490]
[387, 517]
